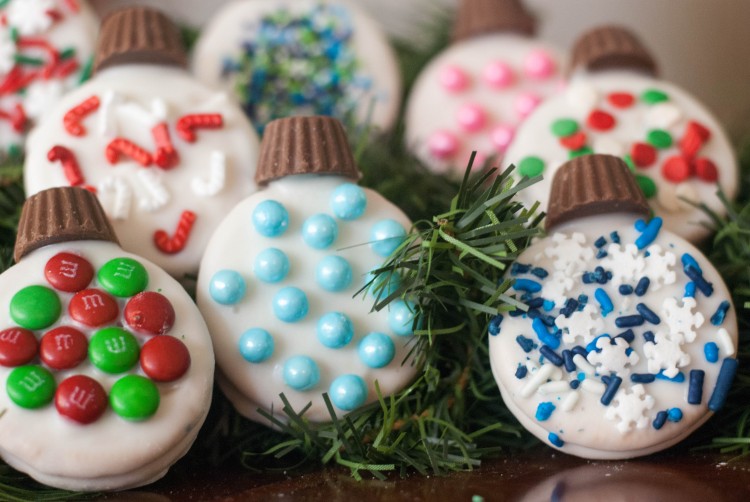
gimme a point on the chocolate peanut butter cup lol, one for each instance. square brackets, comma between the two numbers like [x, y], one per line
[481, 17]
[612, 47]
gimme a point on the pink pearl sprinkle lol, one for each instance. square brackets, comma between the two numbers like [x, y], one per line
[443, 145]
[501, 136]
[526, 103]
[539, 64]
[454, 79]
[472, 117]
[498, 75]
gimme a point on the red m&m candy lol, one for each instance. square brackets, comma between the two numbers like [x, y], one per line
[17, 346]
[164, 358]
[68, 272]
[150, 313]
[63, 348]
[93, 307]
[81, 399]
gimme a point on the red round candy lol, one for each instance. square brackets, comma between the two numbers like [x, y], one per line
[17, 346]
[63, 348]
[93, 307]
[676, 169]
[600, 120]
[706, 170]
[81, 399]
[621, 99]
[150, 313]
[574, 141]
[164, 358]
[68, 272]
[643, 155]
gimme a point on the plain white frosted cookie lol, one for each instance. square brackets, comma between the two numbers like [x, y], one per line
[302, 57]
[629, 344]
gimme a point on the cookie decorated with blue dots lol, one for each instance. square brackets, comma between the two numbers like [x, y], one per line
[629, 341]
[278, 281]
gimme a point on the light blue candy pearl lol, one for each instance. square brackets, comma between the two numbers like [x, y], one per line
[227, 287]
[386, 236]
[270, 218]
[348, 392]
[290, 304]
[335, 330]
[333, 273]
[256, 345]
[401, 317]
[376, 350]
[379, 285]
[320, 231]
[348, 201]
[271, 265]
[301, 373]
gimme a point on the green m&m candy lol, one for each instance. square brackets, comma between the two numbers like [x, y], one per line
[30, 386]
[113, 350]
[35, 307]
[123, 277]
[134, 397]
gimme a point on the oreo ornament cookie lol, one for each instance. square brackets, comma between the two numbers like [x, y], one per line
[167, 156]
[615, 104]
[301, 57]
[277, 283]
[474, 94]
[106, 365]
[629, 342]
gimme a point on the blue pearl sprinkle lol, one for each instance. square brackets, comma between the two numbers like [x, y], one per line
[335, 330]
[290, 304]
[674, 414]
[320, 231]
[376, 350]
[301, 373]
[544, 411]
[227, 287]
[256, 345]
[271, 265]
[383, 284]
[401, 317]
[348, 201]
[333, 273]
[270, 218]
[711, 350]
[386, 236]
[348, 392]
[555, 440]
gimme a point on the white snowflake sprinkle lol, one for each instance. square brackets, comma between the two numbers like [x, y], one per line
[585, 324]
[570, 253]
[555, 288]
[681, 320]
[30, 16]
[630, 409]
[612, 356]
[659, 267]
[665, 353]
[625, 263]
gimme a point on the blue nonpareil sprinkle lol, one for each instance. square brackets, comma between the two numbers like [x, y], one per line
[649, 232]
[600, 242]
[690, 290]
[695, 387]
[718, 318]
[581, 376]
[521, 371]
[627, 335]
[615, 237]
[567, 356]
[588, 278]
[625, 289]
[555, 440]
[544, 411]
[649, 336]
[647, 314]
[611, 390]
[516, 313]
[688, 260]
[494, 327]
[601, 254]
[580, 351]
[539, 272]
[533, 314]
[642, 287]
[574, 384]
[571, 304]
[674, 414]
[535, 303]
[723, 384]
[519, 268]
[711, 350]
[678, 378]
[642, 378]
[629, 321]
[549, 321]
[582, 301]
[591, 347]
[527, 344]
[660, 420]
[701, 283]
[604, 301]
[551, 355]
[527, 285]
[548, 305]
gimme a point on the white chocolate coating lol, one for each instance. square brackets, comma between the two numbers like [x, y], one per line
[587, 92]
[138, 200]
[434, 108]
[110, 453]
[237, 23]
[624, 428]
[235, 246]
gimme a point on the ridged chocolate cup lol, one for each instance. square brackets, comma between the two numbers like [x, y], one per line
[139, 35]
[305, 145]
[592, 185]
[612, 47]
[61, 214]
[481, 17]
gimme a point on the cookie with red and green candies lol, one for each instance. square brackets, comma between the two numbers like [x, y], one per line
[104, 359]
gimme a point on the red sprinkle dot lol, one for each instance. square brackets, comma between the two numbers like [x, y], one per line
[574, 141]
[165, 358]
[621, 99]
[81, 399]
[68, 272]
[17, 346]
[643, 155]
[63, 348]
[676, 169]
[706, 170]
[150, 313]
[93, 307]
[600, 120]
[696, 135]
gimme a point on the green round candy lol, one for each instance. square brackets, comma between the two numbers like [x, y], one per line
[113, 350]
[35, 307]
[563, 128]
[134, 397]
[647, 185]
[659, 138]
[586, 150]
[30, 386]
[531, 166]
[654, 96]
[123, 277]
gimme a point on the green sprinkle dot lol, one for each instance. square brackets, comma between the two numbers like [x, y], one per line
[659, 138]
[586, 150]
[113, 350]
[30, 386]
[531, 166]
[647, 185]
[653, 96]
[123, 277]
[134, 397]
[35, 307]
[629, 161]
[563, 128]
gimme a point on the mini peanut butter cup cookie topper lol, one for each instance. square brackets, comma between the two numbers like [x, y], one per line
[629, 341]
[276, 284]
[473, 95]
[106, 365]
[46, 49]
[615, 104]
[167, 157]
[281, 58]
